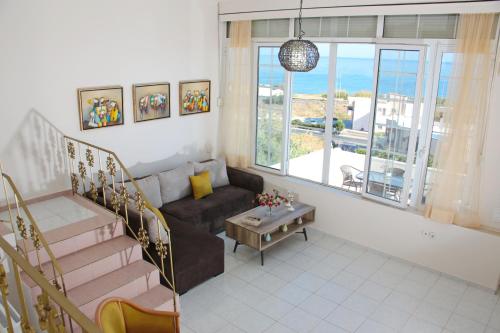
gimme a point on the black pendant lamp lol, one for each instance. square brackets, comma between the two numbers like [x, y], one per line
[299, 55]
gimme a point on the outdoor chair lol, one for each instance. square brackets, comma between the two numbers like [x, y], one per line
[392, 191]
[349, 177]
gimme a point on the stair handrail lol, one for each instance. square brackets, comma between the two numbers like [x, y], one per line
[49, 318]
[38, 240]
[78, 172]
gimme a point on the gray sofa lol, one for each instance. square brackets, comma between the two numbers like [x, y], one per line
[197, 253]
[208, 214]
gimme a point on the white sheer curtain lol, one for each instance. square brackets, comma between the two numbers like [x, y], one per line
[455, 196]
[236, 108]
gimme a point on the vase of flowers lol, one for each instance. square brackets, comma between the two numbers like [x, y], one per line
[270, 200]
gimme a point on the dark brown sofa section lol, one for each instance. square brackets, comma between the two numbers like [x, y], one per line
[197, 253]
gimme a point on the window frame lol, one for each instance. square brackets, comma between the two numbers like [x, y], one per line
[424, 144]
[421, 150]
[403, 202]
[286, 114]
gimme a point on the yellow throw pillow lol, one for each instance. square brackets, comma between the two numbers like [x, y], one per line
[201, 184]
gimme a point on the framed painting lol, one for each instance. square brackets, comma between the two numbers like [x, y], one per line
[151, 101]
[100, 107]
[194, 97]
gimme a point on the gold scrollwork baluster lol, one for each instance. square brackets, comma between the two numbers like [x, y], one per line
[37, 244]
[71, 159]
[82, 170]
[115, 202]
[142, 235]
[124, 195]
[111, 166]
[139, 202]
[25, 324]
[93, 191]
[4, 288]
[90, 157]
[21, 226]
[35, 238]
[161, 248]
[101, 176]
[56, 322]
[71, 150]
[90, 162]
[75, 183]
[43, 308]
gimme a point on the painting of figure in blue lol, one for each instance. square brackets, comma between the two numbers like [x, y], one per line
[100, 107]
[151, 101]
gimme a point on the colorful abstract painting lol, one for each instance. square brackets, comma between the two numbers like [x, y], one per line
[194, 97]
[100, 107]
[151, 101]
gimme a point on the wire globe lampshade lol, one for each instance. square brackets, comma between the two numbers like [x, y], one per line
[298, 55]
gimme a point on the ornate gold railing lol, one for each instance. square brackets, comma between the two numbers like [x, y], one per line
[54, 311]
[101, 174]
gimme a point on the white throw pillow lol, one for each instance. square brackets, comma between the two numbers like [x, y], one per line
[175, 184]
[150, 219]
[150, 186]
[217, 169]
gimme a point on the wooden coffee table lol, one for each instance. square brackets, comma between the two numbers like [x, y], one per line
[254, 237]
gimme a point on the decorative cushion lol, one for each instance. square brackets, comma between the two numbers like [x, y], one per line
[150, 186]
[175, 184]
[201, 184]
[150, 219]
[218, 171]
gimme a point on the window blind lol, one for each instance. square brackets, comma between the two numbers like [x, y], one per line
[420, 26]
[341, 26]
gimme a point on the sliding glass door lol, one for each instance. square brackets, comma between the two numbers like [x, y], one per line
[394, 123]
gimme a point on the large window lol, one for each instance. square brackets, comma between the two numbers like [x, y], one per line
[368, 118]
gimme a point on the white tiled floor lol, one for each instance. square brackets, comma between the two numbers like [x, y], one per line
[54, 213]
[329, 285]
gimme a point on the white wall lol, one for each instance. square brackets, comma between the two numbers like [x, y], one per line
[465, 253]
[50, 48]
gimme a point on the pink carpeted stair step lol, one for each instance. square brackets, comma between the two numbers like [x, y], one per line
[77, 236]
[92, 262]
[99, 261]
[158, 298]
[128, 282]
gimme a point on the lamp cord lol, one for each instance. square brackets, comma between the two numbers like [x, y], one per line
[301, 32]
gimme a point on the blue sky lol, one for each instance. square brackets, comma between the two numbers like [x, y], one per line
[365, 51]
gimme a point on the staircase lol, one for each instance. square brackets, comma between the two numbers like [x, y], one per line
[97, 258]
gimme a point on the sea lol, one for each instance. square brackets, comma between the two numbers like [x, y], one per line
[355, 75]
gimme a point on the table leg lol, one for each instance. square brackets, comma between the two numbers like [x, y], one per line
[303, 232]
[262, 258]
[236, 243]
